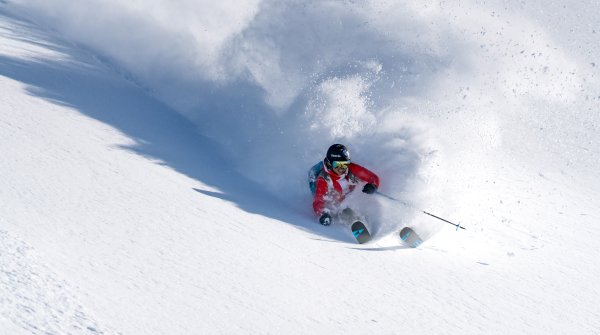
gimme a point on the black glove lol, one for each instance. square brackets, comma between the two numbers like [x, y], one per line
[369, 189]
[325, 219]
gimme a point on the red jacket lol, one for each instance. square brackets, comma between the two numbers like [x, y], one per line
[331, 188]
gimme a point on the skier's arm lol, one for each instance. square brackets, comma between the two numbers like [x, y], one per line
[365, 174]
[320, 193]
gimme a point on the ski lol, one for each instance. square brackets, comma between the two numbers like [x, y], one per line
[360, 232]
[410, 237]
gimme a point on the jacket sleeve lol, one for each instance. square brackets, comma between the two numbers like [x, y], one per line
[364, 174]
[320, 193]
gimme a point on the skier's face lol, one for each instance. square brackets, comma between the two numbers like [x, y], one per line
[340, 170]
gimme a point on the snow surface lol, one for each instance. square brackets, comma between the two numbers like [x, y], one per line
[154, 160]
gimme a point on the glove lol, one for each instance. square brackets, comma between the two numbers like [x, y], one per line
[369, 189]
[325, 219]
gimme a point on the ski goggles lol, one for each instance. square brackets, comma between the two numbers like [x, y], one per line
[340, 164]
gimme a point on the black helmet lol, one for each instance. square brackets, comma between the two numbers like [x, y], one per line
[337, 153]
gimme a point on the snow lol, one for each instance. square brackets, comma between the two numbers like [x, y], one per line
[153, 178]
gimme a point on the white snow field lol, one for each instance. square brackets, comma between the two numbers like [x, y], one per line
[154, 158]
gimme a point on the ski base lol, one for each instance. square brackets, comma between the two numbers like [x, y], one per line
[410, 238]
[360, 232]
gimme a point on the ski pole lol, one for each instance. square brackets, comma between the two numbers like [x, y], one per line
[420, 210]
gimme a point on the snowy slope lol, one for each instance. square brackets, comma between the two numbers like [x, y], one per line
[129, 201]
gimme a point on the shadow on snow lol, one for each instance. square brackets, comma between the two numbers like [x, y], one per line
[159, 132]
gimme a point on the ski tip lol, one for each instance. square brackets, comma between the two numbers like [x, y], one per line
[360, 232]
[357, 224]
[406, 232]
[410, 238]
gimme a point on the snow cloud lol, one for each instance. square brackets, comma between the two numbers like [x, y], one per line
[268, 77]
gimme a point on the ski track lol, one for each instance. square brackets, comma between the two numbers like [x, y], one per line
[34, 298]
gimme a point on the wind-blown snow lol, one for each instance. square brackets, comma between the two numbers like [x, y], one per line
[154, 178]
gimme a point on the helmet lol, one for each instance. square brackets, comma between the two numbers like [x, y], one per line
[337, 153]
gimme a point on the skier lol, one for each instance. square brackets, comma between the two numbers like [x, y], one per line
[334, 178]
